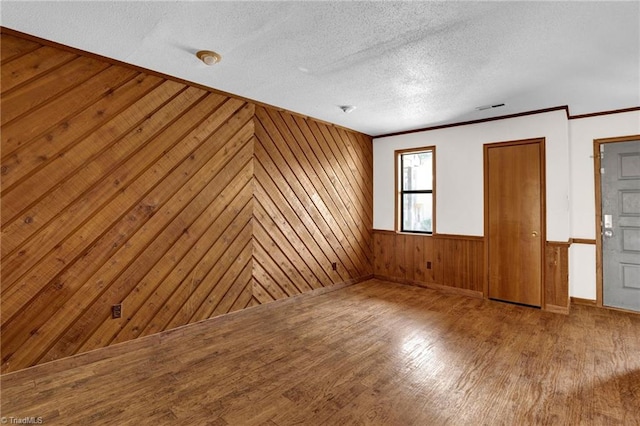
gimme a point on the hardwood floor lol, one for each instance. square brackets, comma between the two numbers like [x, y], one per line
[373, 353]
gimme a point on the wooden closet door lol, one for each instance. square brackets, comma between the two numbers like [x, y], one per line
[514, 191]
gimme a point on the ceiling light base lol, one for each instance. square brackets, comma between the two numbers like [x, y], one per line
[209, 57]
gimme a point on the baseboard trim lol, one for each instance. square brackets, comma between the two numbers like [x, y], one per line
[583, 302]
[594, 304]
[434, 286]
[330, 288]
[556, 309]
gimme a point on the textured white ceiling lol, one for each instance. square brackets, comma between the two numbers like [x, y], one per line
[404, 65]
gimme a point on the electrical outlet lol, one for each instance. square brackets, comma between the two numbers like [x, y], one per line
[334, 266]
[116, 311]
[428, 265]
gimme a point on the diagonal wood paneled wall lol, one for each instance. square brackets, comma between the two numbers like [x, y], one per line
[119, 186]
[313, 205]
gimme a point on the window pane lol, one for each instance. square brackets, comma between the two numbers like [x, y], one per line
[417, 171]
[417, 212]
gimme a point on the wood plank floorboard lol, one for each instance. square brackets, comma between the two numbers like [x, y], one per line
[374, 353]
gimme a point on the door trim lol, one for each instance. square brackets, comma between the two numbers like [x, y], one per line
[543, 210]
[598, 200]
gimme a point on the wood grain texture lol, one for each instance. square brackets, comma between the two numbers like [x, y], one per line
[178, 202]
[375, 353]
[582, 241]
[313, 194]
[584, 302]
[556, 276]
[457, 264]
[15, 47]
[456, 261]
[515, 220]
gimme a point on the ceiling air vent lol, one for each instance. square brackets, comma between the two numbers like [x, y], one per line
[483, 107]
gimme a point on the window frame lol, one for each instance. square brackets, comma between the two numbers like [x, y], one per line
[400, 192]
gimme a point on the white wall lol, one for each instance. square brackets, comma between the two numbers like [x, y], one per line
[459, 178]
[459, 171]
[582, 271]
[582, 132]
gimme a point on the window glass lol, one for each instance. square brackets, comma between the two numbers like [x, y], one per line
[417, 212]
[416, 190]
[417, 171]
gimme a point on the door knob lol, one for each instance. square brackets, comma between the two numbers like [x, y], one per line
[608, 233]
[534, 234]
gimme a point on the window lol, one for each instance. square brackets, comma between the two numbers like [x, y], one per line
[416, 190]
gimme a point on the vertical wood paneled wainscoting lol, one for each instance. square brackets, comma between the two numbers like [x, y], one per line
[456, 261]
[121, 186]
[457, 264]
[556, 277]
